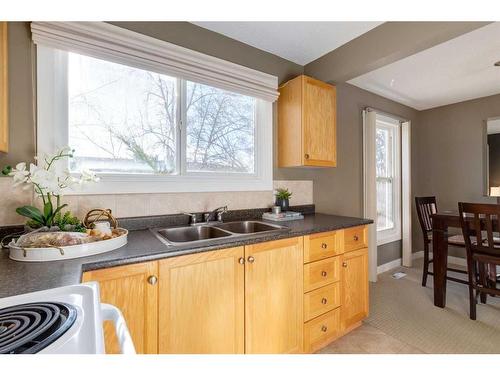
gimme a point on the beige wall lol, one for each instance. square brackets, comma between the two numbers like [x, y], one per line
[130, 205]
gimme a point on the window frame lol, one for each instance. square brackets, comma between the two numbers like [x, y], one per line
[52, 133]
[393, 234]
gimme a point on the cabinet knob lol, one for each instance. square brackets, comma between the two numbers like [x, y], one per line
[324, 245]
[356, 238]
[323, 273]
[241, 260]
[251, 259]
[344, 264]
[306, 156]
[152, 279]
[324, 301]
[324, 328]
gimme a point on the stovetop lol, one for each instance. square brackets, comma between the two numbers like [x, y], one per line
[29, 328]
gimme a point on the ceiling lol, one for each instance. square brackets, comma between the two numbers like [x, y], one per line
[457, 70]
[300, 42]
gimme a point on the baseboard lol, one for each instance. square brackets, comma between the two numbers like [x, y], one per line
[389, 266]
[419, 254]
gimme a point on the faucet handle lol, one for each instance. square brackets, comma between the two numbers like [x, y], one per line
[192, 217]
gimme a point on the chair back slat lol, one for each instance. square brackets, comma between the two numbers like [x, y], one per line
[426, 206]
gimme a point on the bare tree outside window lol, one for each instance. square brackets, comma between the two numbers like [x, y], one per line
[125, 120]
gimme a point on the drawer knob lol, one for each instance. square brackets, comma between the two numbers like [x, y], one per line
[241, 260]
[356, 238]
[344, 264]
[324, 328]
[152, 279]
[324, 301]
[323, 273]
[324, 245]
[251, 259]
[306, 156]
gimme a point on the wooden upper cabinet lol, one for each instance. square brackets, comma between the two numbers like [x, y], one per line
[4, 89]
[134, 291]
[274, 297]
[354, 287]
[307, 123]
[202, 303]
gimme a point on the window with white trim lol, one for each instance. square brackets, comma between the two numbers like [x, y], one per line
[127, 120]
[388, 179]
[180, 122]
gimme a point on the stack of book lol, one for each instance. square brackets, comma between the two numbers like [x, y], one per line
[282, 216]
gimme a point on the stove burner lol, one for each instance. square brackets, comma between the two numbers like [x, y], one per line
[31, 327]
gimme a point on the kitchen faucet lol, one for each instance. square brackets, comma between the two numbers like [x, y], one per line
[215, 215]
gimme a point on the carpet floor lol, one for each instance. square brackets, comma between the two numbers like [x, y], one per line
[404, 310]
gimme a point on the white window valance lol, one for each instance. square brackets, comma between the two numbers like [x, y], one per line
[113, 43]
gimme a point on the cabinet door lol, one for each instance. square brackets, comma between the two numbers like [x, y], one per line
[4, 89]
[131, 290]
[354, 287]
[202, 303]
[274, 297]
[319, 123]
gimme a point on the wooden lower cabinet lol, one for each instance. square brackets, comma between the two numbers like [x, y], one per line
[131, 289]
[201, 304]
[321, 330]
[274, 296]
[354, 287]
[260, 298]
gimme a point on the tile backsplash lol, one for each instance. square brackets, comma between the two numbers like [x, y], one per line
[130, 205]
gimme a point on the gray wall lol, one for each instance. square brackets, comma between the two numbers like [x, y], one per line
[449, 154]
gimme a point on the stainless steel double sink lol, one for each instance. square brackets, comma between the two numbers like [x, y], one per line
[209, 232]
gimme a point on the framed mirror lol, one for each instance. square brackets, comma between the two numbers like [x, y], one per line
[492, 157]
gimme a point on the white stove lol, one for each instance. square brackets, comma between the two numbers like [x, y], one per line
[61, 320]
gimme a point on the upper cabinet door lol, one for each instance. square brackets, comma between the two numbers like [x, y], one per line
[274, 297]
[202, 303]
[319, 123]
[4, 89]
[307, 131]
[134, 291]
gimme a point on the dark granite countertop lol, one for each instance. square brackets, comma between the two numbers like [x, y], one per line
[24, 277]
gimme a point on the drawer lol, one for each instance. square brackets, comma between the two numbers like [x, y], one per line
[321, 273]
[321, 331]
[321, 300]
[322, 245]
[355, 238]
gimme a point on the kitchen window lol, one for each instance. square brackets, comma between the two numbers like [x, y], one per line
[143, 128]
[388, 179]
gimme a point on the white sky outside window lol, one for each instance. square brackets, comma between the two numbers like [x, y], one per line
[388, 178]
[127, 120]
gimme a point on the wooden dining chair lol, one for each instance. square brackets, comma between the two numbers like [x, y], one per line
[426, 206]
[483, 255]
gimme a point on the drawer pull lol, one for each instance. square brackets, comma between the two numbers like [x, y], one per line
[324, 273]
[324, 245]
[306, 156]
[324, 328]
[152, 279]
[324, 301]
[344, 264]
[356, 238]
